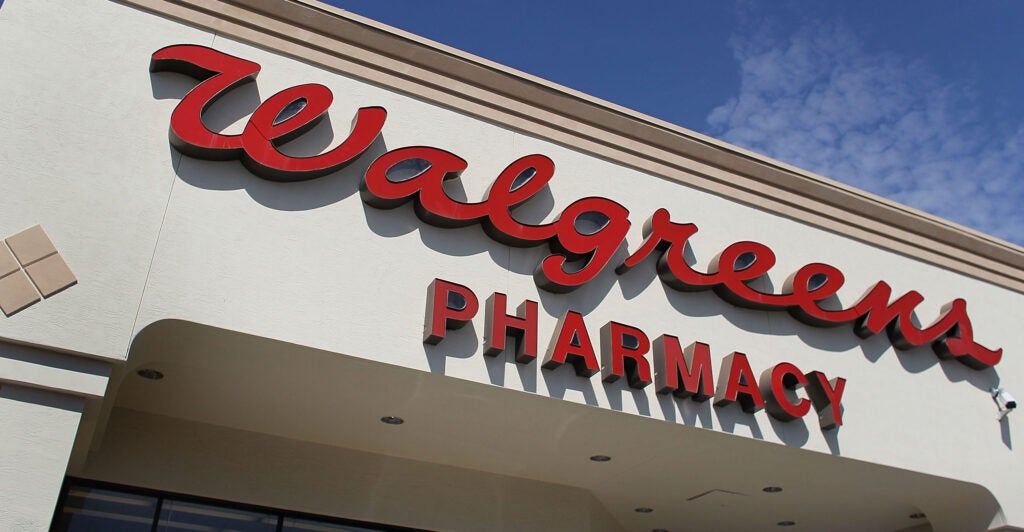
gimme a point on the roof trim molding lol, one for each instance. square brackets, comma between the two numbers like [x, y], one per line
[337, 40]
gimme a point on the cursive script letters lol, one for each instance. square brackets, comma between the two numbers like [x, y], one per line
[267, 128]
[583, 238]
[951, 335]
[587, 232]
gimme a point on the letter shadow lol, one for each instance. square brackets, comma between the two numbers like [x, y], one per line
[700, 303]
[793, 433]
[691, 412]
[838, 339]
[729, 416]
[668, 407]
[615, 391]
[390, 223]
[281, 196]
[983, 380]
[707, 303]
[635, 281]
[583, 299]
[563, 378]
[872, 348]
[467, 240]
[496, 368]
[527, 374]
[457, 242]
[832, 440]
[460, 343]
[225, 114]
[915, 360]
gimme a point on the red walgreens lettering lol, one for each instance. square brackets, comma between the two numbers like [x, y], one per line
[584, 237]
[589, 231]
[951, 335]
[267, 128]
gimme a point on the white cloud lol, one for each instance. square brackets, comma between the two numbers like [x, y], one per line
[881, 122]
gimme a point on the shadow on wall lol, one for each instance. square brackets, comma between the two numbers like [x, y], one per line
[1004, 431]
[563, 383]
[228, 114]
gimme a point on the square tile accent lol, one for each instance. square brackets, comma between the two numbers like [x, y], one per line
[7, 263]
[16, 293]
[31, 245]
[51, 275]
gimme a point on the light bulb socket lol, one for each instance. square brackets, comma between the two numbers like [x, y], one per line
[150, 373]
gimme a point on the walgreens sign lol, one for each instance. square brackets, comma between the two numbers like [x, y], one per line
[583, 238]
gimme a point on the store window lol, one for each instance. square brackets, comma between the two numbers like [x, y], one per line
[88, 506]
[93, 509]
[177, 515]
[306, 525]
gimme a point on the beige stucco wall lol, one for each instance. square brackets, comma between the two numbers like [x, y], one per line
[38, 431]
[152, 235]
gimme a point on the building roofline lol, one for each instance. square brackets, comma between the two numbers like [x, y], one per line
[345, 42]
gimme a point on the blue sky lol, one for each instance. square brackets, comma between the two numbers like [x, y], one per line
[921, 102]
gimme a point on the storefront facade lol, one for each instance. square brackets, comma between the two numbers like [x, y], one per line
[210, 297]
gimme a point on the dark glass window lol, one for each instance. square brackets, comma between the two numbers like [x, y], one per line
[178, 515]
[89, 509]
[292, 524]
[89, 506]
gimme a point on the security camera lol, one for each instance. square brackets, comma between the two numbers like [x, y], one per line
[1004, 401]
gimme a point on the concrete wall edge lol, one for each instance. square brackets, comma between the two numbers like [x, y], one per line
[53, 371]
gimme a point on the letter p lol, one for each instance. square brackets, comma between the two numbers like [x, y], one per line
[450, 306]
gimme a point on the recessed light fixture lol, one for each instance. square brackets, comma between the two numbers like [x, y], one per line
[392, 420]
[600, 458]
[643, 510]
[151, 374]
[786, 523]
[771, 489]
[917, 515]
